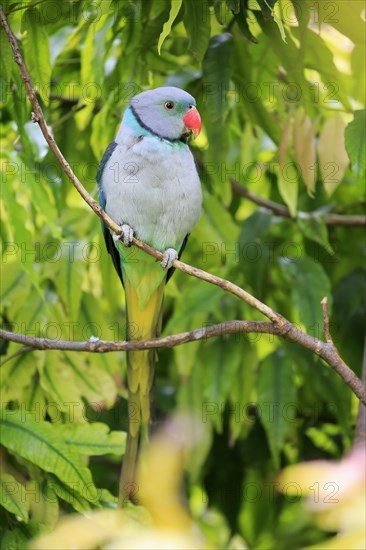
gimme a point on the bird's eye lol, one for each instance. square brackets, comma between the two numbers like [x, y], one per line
[191, 106]
[169, 105]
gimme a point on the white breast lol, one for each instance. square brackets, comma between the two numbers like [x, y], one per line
[153, 186]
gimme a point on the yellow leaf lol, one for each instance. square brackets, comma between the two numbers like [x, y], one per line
[332, 153]
[287, 174]
[304, 148]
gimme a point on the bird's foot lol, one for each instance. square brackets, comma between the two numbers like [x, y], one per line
[169, 255]
[126, 235]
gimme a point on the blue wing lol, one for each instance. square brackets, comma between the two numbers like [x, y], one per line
[107, 235]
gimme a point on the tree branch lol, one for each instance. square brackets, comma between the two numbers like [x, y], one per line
[279, 325]
[360, 432]
[281, 210]
[286, 330]
[94, 345]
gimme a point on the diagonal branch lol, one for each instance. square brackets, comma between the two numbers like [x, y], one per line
[279, 325]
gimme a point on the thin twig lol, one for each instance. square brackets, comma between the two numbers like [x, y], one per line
[360, 432]
[327, 334]
[281, 210]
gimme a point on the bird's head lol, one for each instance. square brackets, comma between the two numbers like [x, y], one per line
[168, 112]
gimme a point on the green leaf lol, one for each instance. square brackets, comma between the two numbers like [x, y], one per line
[241, 19]
[103, 129]
[216, 78]
[14, 539]
[40, 443]
[67, 492]
[356, 142]
[277, 17]
[174, 10]
[254, 251]
[191, 312]
[15, 376]
[189, 401]
[233, 5]
[79, 379]
[303, 136]
[13, 497]
[197, 21]
[41, 195]
[316, 55]
[216, 75]
[43, 504]
[15, 207]
[68, 279]
[37, 52]
[244, 384]
[6, 58]
[314, 228]
[225, 357]
[325, 438]
[288, 185]
[309, 285]
[93, 439]
[276, 395]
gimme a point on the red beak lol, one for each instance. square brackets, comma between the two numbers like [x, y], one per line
[192, 121]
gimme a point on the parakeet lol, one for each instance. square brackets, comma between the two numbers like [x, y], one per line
[149, 185]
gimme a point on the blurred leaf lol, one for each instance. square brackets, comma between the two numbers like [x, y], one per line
[243, 387]
[93, 439]
[21, 233]
[216, 69]
[103, 132]
[174, 10]
[197, 22]
[309, 284]
[318, 56]
[323, 440]
[315, 229]
[333, 157]
[288, 185]
[43, 504]
[233, 5]
[266, 6]
[224, 357]
[242, 22]
[6, 61]
[79, 379]
[39, 443]
[304, 131]
[276, 392]
[13, 497]
[355, 142]
[68, 279]
[37, 40]
[277, 17]
[216, 75]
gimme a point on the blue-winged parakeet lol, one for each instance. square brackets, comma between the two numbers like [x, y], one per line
[148, 184]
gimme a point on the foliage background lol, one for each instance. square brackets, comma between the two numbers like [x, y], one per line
[281, 94]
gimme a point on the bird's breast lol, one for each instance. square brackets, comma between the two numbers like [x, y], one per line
[153, 186]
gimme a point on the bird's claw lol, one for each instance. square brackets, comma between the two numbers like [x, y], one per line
[126, 235]
[169, 255]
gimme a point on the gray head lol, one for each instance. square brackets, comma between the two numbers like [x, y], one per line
[168, 112]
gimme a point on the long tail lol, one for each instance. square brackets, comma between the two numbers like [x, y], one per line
[141, 324]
